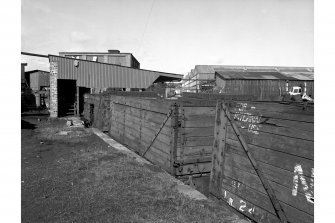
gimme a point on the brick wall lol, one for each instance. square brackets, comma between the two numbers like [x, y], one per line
[53, 89]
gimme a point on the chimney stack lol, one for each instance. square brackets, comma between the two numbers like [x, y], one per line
[114, 51]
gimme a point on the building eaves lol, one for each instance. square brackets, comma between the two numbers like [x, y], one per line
[33, 71]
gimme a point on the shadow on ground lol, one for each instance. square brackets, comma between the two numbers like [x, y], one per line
[27, 125]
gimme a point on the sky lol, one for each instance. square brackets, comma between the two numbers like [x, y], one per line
[173, 35]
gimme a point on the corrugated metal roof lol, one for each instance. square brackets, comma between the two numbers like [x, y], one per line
[199, 69]
[93, 74]
[265, 75]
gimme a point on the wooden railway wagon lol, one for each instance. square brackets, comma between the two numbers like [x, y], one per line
[170, 133]
[263, 160]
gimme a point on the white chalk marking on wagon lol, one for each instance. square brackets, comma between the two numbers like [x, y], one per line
[230, 202]
[309, 190]
[244, 204]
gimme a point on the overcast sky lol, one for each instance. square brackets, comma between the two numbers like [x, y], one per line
[173, 35]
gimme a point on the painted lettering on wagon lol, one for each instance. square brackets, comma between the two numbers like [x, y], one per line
[308, 189]
[239, 204]
[248, 118]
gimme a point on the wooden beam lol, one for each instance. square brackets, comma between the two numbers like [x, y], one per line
[218, 153]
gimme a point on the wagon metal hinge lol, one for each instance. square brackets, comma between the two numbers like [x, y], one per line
[177, 164]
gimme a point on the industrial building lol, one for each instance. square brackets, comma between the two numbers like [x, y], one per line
[72, 77]
[262, 82]
[111, 57]
[37, 79]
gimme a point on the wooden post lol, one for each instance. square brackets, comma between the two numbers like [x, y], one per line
[182, 132]
[218, 150]
[174, 135]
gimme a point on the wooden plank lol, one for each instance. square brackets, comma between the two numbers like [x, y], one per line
[247, 208]
[144, 130]
[199, 131]
[271, 157]
[293, 146]
[196, 159]
[156, 159]
[158, 153]
[303, 126]
[257, 124]
[202, 122]
[192, 102]
[287, 107]
[282, 131]
[256, 199]
[162, 135]
[145, 140]
[199, 141]
[191, 111]
[196, 168]
[195, 150]
[272, 110]
[213, 96]
[157, 105]
[148, 116]
[154, 119]
[283, 194]
[277, 175]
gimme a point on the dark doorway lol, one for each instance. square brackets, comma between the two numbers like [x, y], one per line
[66, 97]
[82, 91]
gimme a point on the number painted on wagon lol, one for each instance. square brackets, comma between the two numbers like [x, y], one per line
[240, 204]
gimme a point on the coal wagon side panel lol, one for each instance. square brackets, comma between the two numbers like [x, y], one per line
[280, 138]
[135, 122]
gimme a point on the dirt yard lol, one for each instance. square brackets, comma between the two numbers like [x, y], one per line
[71, 175]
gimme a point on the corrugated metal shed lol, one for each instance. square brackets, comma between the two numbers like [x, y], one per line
[103, 75]
[239, 75]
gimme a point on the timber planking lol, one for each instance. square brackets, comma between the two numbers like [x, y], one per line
[280, 140]
[185, 139]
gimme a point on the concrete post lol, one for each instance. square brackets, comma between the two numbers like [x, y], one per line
[53, 89]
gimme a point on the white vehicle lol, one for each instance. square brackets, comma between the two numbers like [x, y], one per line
[295, 91]
[298, 91]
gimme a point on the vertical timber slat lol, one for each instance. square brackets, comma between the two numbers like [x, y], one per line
[174, 136]
[182, 131]
[218, 153]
